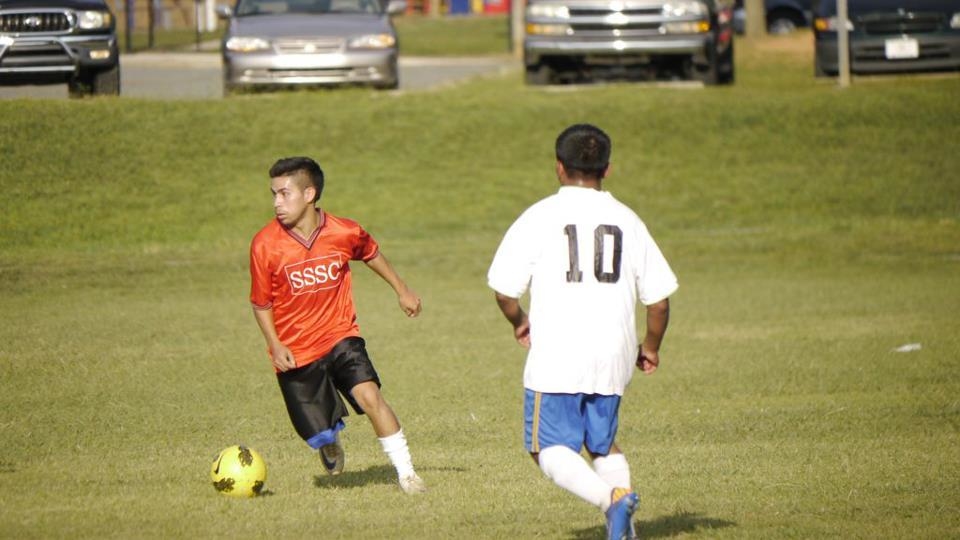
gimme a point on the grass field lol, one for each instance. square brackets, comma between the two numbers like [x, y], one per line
[813, 232]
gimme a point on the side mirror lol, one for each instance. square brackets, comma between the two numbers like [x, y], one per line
[396, 7]
[224, 12]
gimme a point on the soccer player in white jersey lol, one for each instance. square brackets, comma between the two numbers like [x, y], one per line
[587, 260]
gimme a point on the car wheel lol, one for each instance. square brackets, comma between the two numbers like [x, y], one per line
[818, 70]
[106, 82]
[709, 73]
[77, 88]
[726, 71]
[392, 85]
[781, 22]
[539, 75]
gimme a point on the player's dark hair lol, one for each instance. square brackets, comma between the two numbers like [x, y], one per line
[305, 165]
[584, 149]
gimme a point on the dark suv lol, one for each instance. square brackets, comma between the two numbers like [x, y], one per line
[889, 36]
[60, 41]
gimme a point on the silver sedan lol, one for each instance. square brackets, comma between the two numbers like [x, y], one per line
[310, 42]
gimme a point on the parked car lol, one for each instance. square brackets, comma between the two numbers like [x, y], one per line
[889, 36]
[782, 16]
[60, 41]
[576, 40]
[310, 42]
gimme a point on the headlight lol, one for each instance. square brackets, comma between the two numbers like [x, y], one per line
[685, 9]
[548, 29]
[247, 44]
[955, 20]
[372, 41]
[685, 27]
[549, 11]
[93, 20]
[830, 24]
[6, 41]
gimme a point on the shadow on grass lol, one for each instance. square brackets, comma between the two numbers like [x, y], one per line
[661, 527]
[378, 474]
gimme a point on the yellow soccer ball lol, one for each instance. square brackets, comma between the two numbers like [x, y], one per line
[238, 471]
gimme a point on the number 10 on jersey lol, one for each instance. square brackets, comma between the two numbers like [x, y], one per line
[603, 235]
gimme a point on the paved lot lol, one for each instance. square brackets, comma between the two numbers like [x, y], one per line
[197, 75]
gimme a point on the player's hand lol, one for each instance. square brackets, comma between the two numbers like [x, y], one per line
[522, 333]
[409, 303]
[647, 360]
[282, 358]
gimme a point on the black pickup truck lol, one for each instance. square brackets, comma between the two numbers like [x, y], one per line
[60, 41]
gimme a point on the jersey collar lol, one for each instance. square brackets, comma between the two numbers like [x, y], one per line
[308, 242]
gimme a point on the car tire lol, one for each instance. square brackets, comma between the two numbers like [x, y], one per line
[392, 85]
[818, 70]
[726, 73]
[781, 22]
[103, 82]
[708, 74]
[539, 75]
[76, 88]
[106, 82]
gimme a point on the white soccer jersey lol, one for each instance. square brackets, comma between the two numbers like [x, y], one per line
[587, 259]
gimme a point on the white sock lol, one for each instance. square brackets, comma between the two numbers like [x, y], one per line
[570, 471]
[614, 470]
[395, 446]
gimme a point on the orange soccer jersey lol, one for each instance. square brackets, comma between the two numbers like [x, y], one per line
[306, 281]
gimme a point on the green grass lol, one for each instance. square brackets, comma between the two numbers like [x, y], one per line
[453, 35]
[813, 231]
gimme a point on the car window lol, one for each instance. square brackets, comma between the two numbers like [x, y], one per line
[262, 7]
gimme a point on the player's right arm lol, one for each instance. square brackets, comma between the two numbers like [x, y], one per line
[511, 309]
[280, 355]
[262, 301]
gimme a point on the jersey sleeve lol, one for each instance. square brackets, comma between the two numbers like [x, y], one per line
[657, 281]
[365, 247]
[512, 267]
[261, 289]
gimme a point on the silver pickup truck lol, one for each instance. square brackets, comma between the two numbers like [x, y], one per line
[585, 40]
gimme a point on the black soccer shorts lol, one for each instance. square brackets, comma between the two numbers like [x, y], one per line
[312, 392]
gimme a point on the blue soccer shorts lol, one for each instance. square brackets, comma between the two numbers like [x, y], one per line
[571, 420]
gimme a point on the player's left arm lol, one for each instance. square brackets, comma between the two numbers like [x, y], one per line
[409, 300]
[658, 316]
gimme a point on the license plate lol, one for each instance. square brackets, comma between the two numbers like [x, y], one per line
[901, 48]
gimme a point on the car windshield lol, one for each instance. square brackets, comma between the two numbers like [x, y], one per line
[264, 7]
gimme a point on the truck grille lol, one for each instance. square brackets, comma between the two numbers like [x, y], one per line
[608, 29]
[34, 22]
[601, 12]
[901, 23]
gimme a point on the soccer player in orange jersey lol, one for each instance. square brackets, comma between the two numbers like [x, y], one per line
[303, 303]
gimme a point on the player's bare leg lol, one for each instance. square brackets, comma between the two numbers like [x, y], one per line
[381, 416]
[387, 427]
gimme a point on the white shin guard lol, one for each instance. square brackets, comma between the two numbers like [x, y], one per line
[395, 446]
[614, 470]
[571, 472]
